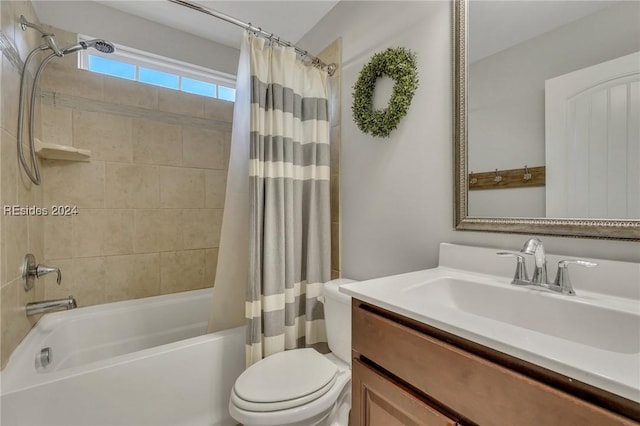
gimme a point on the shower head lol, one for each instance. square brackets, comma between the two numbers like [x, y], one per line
[98, 44]
[103, 46]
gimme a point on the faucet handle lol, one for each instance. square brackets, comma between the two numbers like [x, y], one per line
[521, 267]
[562, 280]
[42, 270]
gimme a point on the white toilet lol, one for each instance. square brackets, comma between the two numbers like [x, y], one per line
[301, 387]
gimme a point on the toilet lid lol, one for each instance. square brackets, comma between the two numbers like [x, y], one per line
[285, 376]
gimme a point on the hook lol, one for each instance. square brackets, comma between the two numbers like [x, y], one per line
[527, 175]
[498, 178]
[472, 179]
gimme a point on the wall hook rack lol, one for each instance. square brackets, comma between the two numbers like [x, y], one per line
[511, 178]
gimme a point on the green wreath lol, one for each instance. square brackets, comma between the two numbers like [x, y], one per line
[398, 64]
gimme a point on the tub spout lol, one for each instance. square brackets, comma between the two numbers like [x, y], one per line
[35, 308]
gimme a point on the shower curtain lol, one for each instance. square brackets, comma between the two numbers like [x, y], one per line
[289, 214]
[229, 291]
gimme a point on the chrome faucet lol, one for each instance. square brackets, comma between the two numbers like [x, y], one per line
[30, 271]
[45, 306]
[562, 283]
[534, 246]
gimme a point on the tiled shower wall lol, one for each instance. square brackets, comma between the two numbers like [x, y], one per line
[149, 203]
[18, 234]
[333, 54]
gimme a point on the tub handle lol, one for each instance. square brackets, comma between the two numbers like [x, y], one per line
[42, 270]
[31, 271]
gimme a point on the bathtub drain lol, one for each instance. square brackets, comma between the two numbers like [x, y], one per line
[43, 358]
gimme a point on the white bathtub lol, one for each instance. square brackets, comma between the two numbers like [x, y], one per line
[140, 362]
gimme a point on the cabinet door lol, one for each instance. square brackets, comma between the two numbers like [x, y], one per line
[377, 401]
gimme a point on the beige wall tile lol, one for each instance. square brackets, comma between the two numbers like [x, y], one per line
[182, 271]
[157, 230]
[215, 188]
[98, 232]
[155, 142]
[10, 96]
[25, 188]
[3, 258]
[125, 92]
[335, 246]
[57, 125]
[68, 63]
[132, 186]
[179, 102]
[58, 237]
[336, 142]
[88, 233]
[218, 110]
[13, 319]
[335, 93]
[36, 235]
[203, 148]
[16, 244]
[181, 187]
[227, 149]
[335, 197]
[87, 270]
[118, 232]
[84, 279]
[132, 277]
[81, 83]
[7, 19]
[108, 136]
[79, 184]
[25, 297]
[210, 266]
[201, 228]
[8, 169]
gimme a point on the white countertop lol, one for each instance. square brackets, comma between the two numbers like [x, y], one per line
[616, 370]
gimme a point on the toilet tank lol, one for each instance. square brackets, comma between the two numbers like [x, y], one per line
[337, 318]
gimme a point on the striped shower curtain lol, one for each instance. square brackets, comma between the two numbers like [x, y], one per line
[289, 235]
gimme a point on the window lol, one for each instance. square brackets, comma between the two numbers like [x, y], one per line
[132, 64]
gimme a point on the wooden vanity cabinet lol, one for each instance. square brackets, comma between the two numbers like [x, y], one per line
[381, 402]
[405, 375]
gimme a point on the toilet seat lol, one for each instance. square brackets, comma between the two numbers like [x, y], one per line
[285, 380]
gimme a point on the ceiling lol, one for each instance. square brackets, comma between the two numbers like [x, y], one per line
[289, 20]
[498, 25]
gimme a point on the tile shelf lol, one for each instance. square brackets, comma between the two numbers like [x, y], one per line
[52, 151]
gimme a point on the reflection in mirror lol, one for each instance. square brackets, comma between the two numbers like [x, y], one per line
[556, 86]
[546, 119]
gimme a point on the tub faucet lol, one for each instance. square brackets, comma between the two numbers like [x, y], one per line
[534, 246]
[34, 308]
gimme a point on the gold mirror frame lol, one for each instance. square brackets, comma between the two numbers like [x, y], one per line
[587, 228]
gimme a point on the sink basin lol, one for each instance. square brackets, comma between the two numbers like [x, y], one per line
[557, 315]
[592, 337]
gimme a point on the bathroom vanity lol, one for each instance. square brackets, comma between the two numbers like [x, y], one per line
[451, 346]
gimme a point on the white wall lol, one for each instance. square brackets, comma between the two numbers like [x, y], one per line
[397, 200]
[506, 99]
[96, 20]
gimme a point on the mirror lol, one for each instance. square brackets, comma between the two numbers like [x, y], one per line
[547, 117]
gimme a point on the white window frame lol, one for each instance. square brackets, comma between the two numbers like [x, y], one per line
[152, 61]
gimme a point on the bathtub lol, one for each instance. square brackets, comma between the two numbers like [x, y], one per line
[139, 362]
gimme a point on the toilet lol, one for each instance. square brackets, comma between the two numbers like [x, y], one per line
[302, 387]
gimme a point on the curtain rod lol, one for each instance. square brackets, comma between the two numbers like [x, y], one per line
[330, 68]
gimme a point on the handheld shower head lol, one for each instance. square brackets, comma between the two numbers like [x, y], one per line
[98, 44]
